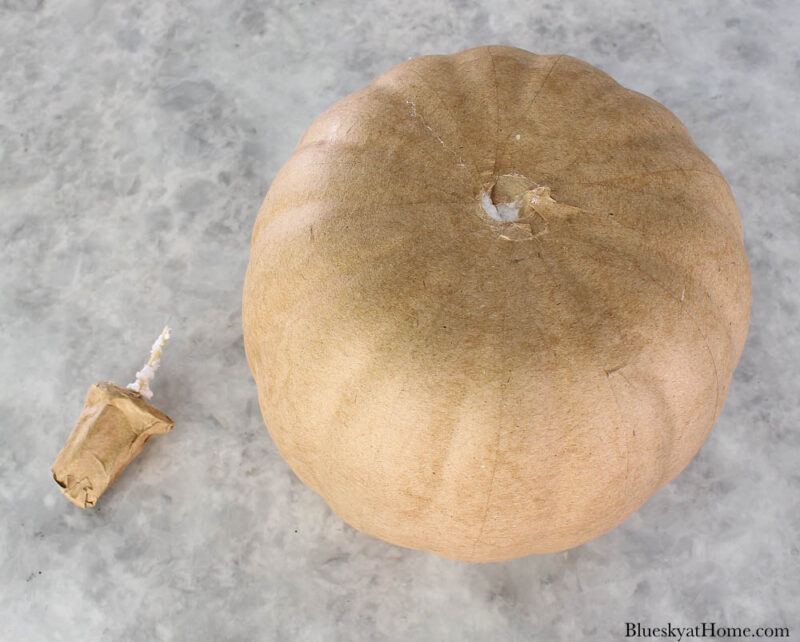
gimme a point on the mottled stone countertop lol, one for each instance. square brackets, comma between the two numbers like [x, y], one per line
[137, 140]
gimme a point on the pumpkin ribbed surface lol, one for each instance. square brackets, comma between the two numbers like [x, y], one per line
[494, 302]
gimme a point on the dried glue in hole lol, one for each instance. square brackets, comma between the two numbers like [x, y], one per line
[506, 197]
[501, 211]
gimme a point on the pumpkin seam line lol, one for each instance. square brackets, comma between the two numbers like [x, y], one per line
[496, 111]
[628, 177]
[525, 111]
[449, 111]
[675, 298]
[687, 276]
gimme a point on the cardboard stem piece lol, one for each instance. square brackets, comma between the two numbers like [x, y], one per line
[113, 427]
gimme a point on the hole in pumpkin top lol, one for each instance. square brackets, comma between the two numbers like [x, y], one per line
[501, 211]
[505, 199]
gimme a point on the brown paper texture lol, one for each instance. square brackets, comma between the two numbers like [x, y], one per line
[113, 427]
[494, 302]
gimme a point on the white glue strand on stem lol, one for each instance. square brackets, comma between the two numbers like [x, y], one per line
[148, 371]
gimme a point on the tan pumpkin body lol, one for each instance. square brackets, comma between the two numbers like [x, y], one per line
[485, 389]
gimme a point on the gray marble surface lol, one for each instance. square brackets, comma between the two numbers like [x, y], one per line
[137, 140]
